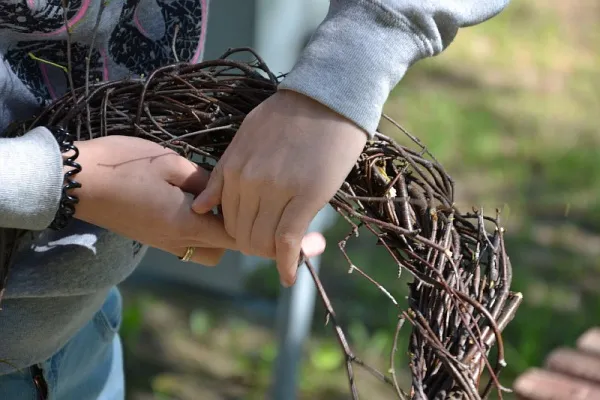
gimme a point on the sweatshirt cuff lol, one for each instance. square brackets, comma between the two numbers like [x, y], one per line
[31, 180]
[354, 60]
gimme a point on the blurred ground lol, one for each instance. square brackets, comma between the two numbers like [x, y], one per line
[184, 345]
[511, 110]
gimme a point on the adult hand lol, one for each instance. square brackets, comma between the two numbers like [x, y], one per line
[285, 163]
[144, 191]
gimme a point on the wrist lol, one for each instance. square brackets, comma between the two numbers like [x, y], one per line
[319, 109]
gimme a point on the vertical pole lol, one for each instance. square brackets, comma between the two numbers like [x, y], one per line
[280, 33]
[294, 317]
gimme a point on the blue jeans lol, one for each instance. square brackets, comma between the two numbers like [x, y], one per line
[88, 367]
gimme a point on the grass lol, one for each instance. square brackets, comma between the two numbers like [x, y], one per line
[510, 109]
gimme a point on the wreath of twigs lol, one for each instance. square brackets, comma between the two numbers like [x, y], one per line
[459, 300]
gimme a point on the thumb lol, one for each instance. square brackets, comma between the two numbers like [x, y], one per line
[211, 196]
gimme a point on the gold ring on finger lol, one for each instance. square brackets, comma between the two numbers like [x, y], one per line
[189, 252]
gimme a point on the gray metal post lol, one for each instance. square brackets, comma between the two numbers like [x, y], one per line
[294, 317]
[280, 33]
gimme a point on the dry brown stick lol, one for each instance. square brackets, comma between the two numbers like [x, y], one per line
[338, 330]
[350, 356]
[399, 392]
[461, 273]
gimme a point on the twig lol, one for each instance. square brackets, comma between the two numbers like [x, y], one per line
[459, 300]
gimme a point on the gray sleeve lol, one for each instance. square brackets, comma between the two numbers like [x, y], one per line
[31, 180]
[363, 48]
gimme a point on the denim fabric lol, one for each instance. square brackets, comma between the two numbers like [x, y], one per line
[355, 58]
[88, 367]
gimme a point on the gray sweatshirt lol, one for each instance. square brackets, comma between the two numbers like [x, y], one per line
[358, 54]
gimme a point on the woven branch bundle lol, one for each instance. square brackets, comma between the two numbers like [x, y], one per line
[459, 299]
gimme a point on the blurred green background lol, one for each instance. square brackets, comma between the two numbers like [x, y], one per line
[511, 111]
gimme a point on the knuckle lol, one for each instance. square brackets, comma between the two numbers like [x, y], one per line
[255, 177]
[230, 228]
[249, 175]
[263, 246]
[243, 246]
[287, 240]
[230, 171]
[271, 181]
[254, 172]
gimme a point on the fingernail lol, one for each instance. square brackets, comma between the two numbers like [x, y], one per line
[197, 205]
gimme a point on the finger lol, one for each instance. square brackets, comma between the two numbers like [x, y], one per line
[209, 257]
[189, 176]
[203, 229]
[290, 231]
[246, 216]
[230, 203]
[262, 236]
[313, 244]
[209, 230]
[211, 196]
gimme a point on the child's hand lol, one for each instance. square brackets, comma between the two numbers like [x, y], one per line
[285, 163]
[143, 191]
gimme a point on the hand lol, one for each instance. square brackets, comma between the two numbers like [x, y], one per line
[143, 191]
[285, 163]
